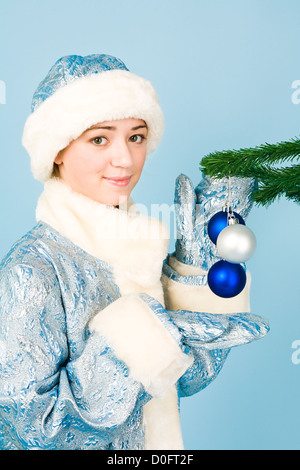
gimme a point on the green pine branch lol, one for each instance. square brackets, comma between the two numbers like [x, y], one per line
[274, 183]
[258, 162]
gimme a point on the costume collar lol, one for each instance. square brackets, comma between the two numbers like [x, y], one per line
[135, 245]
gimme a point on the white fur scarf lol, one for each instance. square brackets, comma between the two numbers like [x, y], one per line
[135, 246]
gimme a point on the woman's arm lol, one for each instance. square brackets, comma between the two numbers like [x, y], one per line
[46, 400]
[226, 322]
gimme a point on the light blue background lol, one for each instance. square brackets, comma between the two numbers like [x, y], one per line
[224, 73]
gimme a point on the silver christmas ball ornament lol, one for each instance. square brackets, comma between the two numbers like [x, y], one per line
[236, 243]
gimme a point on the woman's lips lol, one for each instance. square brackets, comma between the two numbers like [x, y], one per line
[118, 181]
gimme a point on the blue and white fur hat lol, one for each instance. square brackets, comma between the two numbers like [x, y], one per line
[79, 92]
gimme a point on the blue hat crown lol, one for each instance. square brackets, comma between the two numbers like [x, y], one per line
[68, 68]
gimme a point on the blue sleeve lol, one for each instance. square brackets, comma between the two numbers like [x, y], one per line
[207, 338]
[48, 401]
[210, 338]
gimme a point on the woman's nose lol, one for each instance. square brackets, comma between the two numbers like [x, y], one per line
[121, 155]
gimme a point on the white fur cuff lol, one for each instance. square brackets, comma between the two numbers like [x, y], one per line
[140, 340]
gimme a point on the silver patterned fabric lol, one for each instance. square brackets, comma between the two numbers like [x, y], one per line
[194, 209]
[68, 68]
[61, 386]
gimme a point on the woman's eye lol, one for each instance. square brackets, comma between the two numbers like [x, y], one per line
[99, 140]
[137, 138]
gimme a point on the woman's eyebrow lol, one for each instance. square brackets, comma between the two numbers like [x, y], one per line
[111, 128]
[139, 127]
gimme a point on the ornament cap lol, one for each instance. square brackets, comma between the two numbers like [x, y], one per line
[232, 220]
[219, 221]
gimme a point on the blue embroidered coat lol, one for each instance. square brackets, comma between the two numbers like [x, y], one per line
[93, 356]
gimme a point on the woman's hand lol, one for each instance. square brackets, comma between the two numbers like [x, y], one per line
[195, 207]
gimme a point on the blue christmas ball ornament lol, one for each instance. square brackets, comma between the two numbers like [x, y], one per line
[226, 279]
[218, 222]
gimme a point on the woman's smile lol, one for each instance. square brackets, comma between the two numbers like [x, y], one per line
[118, 180]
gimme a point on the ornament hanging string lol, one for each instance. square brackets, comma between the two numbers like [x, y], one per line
[231, 219]
[229, 198]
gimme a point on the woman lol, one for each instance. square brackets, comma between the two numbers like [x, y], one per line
[101, 331]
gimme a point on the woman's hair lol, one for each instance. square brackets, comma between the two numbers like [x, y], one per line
[55, 171]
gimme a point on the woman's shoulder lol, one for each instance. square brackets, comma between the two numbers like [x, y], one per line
[32, 252]
[46, 253]
[28, 280]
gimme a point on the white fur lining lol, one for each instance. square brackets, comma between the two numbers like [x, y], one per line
[180, 296]
[185, 269]
[141, 341]
[133, 244]
[64, 116]
[162, 423]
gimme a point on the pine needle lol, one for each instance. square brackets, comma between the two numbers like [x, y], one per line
[258, 163]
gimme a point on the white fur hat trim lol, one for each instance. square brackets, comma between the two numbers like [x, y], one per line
[64, 116]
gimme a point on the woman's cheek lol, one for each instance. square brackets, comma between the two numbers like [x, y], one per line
[93, 162]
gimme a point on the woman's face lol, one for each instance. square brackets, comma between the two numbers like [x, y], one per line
[106, 161]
